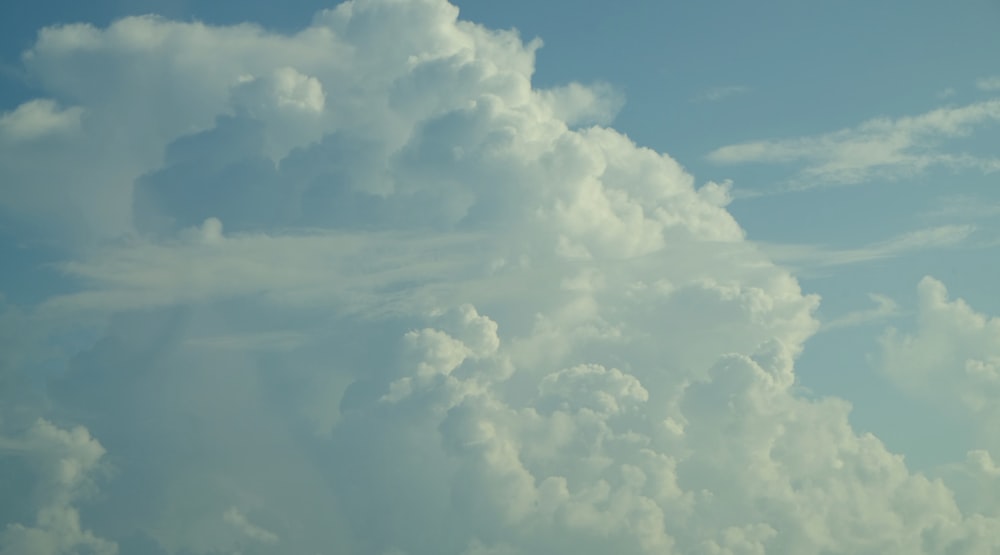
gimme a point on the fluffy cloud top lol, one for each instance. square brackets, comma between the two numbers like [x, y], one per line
[363, 289]
[954, 350]
[65, 461]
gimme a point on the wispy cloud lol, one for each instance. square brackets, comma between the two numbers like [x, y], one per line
[878, 148]
[139, 275]
[715, 94]
[238, 520]
[815, 256]
[963, 207]
[989, 83]
[884, 308]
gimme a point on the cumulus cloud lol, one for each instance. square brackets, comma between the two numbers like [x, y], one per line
[367, 290]
[38, 118]
[576, 104]
[952, 358]
[882, 148]
[65, 461]
[975, 481]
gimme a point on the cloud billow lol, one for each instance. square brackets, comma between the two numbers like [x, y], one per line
[366, 290]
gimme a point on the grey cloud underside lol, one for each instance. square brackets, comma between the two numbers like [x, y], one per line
[364, 290]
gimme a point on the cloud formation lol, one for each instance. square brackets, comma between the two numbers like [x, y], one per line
[65, 461]
[884, 308]
[881, 148]
[716, 94]
[988, 84]
[363, 289]
[954, 350]
[806, 257]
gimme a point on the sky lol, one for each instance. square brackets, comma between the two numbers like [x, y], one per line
[410, 277]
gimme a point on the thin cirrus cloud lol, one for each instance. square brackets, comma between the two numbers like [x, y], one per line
[879, 148]
[884, 309]
[807, 257]
[716, 94]
[967, 207]
[364, 289]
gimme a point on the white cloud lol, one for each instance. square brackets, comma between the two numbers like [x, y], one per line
[577, 104]
[976, 482]
[951, 360]
[989, 84]
[884, 308]
[236, 518]
[289, 103]
[881, 148]
[806, 257]
[963, 207]
[65, 461]
[369, 288]
[302, 270]
[941, 236]
[38, 118]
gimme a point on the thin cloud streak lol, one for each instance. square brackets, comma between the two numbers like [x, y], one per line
[716, 94]
[814, 256]
[884, 309]
[880, 148]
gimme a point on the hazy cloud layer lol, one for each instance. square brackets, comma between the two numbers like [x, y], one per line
[362, 289]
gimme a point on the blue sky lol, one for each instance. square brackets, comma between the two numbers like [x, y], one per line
[407, 277]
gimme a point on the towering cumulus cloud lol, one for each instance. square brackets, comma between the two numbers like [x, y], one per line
[362, 289]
